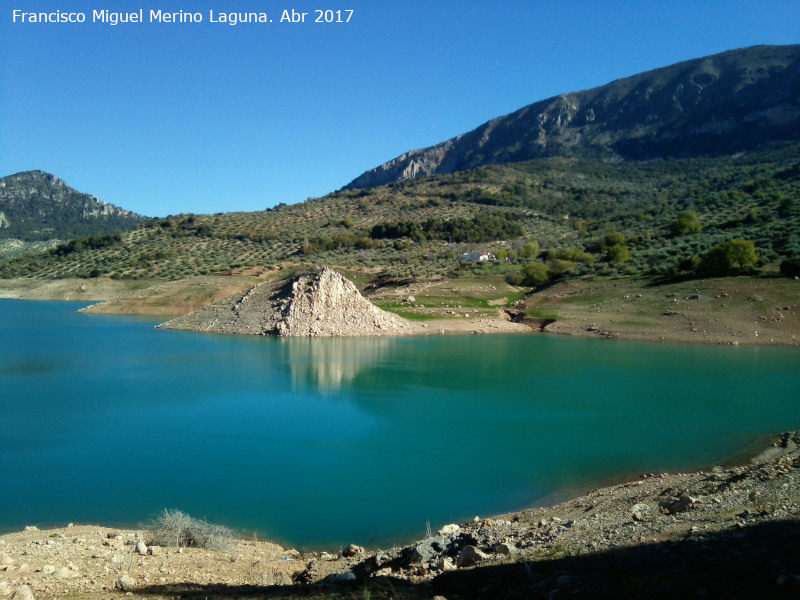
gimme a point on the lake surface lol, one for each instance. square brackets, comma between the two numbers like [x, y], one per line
[323, 442]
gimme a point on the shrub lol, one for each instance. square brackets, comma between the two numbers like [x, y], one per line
[687, 222]
[176, 529]
[530, 250]
[535, 273]
[618, 254]
[615, 238]
[790, 267]
[729, 258]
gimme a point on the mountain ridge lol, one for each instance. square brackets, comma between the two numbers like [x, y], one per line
[714, 105]
[38, 206]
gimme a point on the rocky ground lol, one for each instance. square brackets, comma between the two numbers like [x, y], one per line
[316, 304]
[724, 533]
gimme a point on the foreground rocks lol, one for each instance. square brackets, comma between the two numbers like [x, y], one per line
[727, 532]
[322, 304]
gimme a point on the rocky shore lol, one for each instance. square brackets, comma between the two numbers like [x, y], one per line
[723, 533]
[320, 304]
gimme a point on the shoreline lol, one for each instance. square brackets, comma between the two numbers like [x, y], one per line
[647, 513]
[155, 300]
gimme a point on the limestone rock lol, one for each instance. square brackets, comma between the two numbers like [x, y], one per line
[323, 304]
[505, 548]
[684, 503]
[449, 530]
[352, 550]
[141, 548]
[126, 583]
[23, 593]
[470, 555]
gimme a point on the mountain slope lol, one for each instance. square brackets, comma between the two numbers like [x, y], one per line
[36, 206]
[710, 106]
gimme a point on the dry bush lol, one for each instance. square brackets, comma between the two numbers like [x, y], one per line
[176, 529]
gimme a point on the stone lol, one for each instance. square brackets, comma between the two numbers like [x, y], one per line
[141, 548]
[427, 550]
[505, 548]
[470, 555]
[64, 573]
[341, 577]
[352, 550]
[640, 512]
[23, 593]
[5, 559]
[154, 550]
[450, 530]
[684, 503]
[445, 564]
[48, 569]
[126, 583]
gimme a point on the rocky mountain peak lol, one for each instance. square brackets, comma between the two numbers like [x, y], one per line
[711, 106]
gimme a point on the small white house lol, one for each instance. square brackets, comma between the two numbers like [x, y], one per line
[477, 257]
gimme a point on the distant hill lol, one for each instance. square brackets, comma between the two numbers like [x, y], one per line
[37, 207]
[712, 106]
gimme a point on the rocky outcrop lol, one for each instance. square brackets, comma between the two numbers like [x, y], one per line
[715, 105]
[322, 304]
[38, 206]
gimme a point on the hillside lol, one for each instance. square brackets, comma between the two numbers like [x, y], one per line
[586, 216]
[574, 210]
[37, 208]
[710, 106]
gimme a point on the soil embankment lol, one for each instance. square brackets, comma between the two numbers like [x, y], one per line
[723, 533]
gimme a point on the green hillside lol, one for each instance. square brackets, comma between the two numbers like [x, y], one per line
[37, 209]
[665, 218]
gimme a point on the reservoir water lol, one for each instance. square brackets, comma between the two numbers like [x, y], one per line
[324, 442]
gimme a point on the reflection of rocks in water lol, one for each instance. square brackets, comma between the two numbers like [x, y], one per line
[328, 363]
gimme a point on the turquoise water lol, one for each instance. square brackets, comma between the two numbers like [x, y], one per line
[331, 441]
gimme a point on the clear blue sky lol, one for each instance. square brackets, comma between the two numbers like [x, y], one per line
[207, 117]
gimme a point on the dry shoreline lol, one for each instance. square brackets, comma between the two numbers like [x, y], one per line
[526, 553]
[727, 311]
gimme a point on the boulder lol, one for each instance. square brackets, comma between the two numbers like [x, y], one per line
[450, 530]
[23, 593]
[505, 548]
[126, 583]
[352, 550]
[470, 556]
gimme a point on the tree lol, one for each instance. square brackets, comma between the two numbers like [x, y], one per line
[615, 238]
[530, 250]
[687, 222]
[729, 258]
[535, 273]
[618, 254]
[790, 267]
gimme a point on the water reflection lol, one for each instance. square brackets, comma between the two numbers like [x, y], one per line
[327, 364]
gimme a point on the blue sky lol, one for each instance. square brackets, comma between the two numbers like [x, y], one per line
[207, 117]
